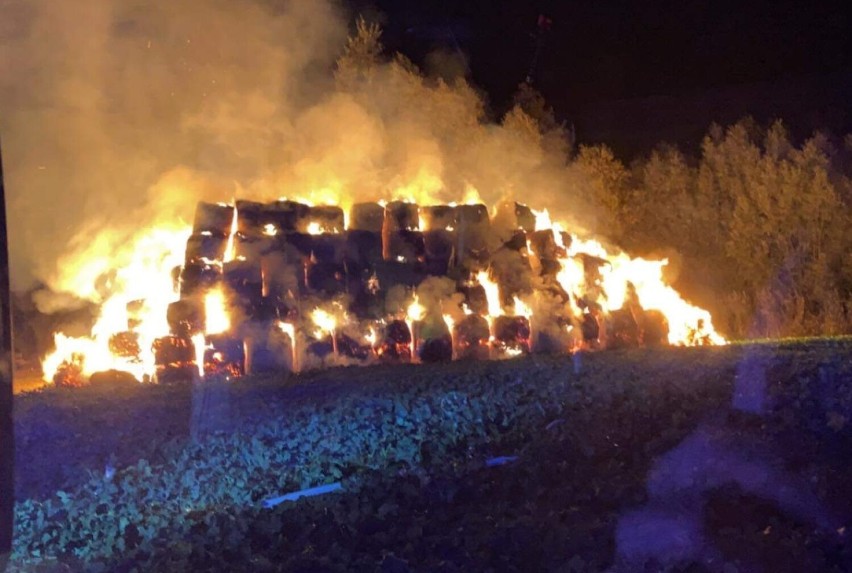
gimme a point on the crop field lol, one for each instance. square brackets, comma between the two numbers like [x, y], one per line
[526, 464]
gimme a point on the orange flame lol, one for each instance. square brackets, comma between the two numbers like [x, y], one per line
[216, 319]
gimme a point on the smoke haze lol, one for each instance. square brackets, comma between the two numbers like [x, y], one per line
[117, 115]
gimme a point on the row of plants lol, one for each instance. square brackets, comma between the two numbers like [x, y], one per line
[199, 507]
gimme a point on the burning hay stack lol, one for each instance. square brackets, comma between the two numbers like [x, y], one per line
[291, 286]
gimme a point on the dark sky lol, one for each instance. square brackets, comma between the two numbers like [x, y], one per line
[634, 73]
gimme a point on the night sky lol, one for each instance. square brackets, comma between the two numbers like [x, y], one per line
[632, 74]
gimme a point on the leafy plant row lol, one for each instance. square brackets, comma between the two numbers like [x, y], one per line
[443, 418]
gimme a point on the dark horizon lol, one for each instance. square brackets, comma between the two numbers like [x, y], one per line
[631, 76]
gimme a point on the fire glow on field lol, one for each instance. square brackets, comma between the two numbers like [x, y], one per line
[143, 280]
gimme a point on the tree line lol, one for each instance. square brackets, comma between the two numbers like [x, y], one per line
[760, 226]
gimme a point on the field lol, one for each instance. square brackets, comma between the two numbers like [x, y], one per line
[120, 476]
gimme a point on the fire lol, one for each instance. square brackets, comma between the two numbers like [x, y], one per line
[136, 302]
[325, 321]
[216, 319]
[492, 293]
[314, 228]
[371, 336]
[542, 220]
[289, 329]
[269, 230]
[231, 247]
[448, 320]
[199, 344]
[687, 323]
[522, 309]
[416, 311]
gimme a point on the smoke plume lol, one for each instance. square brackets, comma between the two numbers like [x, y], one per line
[119, 115]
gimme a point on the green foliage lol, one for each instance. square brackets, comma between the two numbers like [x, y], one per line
[763, 226]
[409, 446]
[361, 55]
[608, 184]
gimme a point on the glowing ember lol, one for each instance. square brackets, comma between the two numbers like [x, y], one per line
[270, 230]
[314, 228]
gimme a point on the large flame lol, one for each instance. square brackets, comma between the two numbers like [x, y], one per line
[135, 299]
[688, 324]
[325, 321]
[143, 280]
[492, 293]
[216, 318]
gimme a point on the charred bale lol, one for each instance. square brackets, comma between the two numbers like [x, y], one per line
[472, 335]
[434, 343]
[396, 343]
[174, 359]
[213, 218]
[544, 245]
[655, 328]
[439, 246]
[245, 281]
[321, 347]
[198, 277]
[524, 217]
[205, 248]
[510, 217]
[326, 219]
[351, 348]
[185, 317]
[512, 333]
[367, 295]
[624, 331]
[438, 349]
[517, 241]
[473, 236]
[286, 216]
[363, 250]
[252, 247]
[403, 246]
[367, 217]
[401, 216]
[475, 297]
[326, 278]
[328, 248]
[251, 218]
[392, 273]
[266, 310]
[224, 356]
[438, 217]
